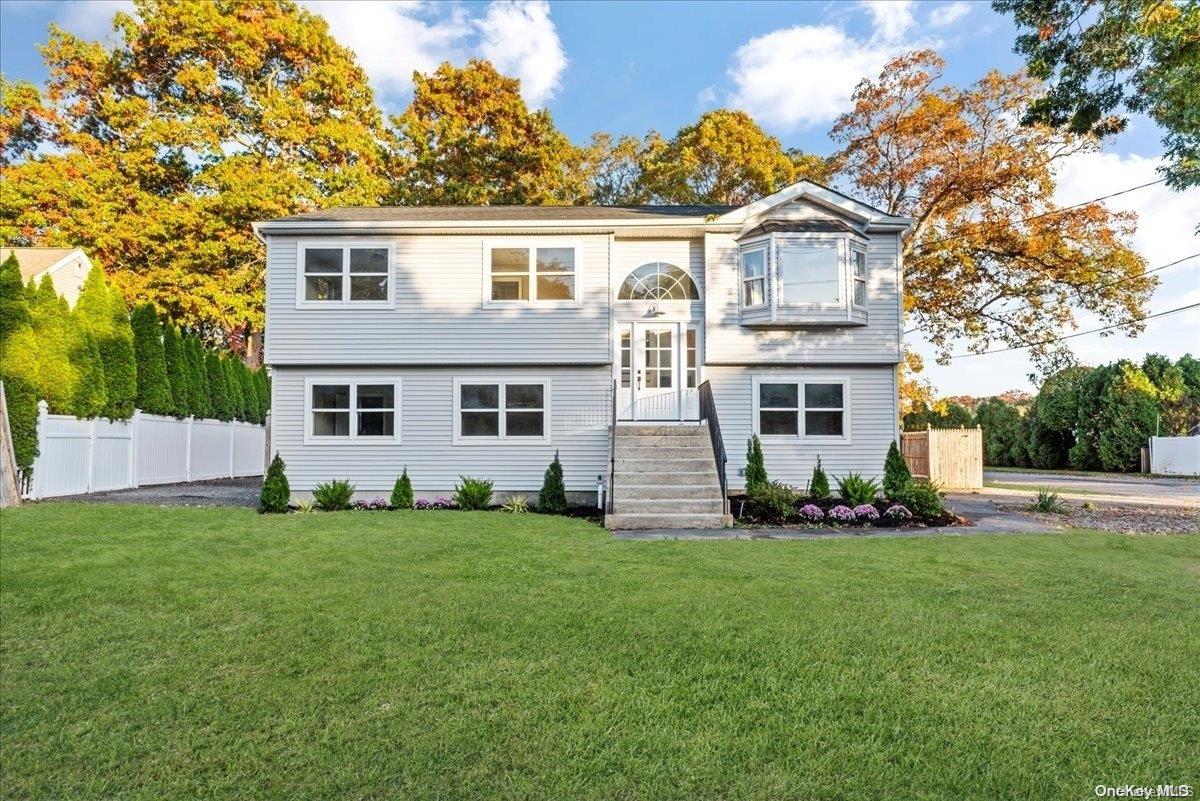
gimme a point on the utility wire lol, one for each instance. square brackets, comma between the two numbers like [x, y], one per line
[1078, 333]
[924, 245]
[1113, 283]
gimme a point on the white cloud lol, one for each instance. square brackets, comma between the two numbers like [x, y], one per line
[706, 97]
[91, 19]
[521, 41]
[803, 76]
[944, 16]
[394, 38]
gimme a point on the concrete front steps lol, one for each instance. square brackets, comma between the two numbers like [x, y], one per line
[665, 477]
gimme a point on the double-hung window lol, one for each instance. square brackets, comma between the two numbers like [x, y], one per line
[501, 410]
[754, 277]
[532, 273]
[345, 411]
[858, 258]
[358, 274]
[801, 408]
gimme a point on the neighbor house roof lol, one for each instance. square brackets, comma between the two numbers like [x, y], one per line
[500, 213]
[35, 260]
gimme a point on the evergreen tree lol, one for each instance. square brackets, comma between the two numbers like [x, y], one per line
[249, 392]
[1002, 432]
[57, 376]
[153, 386]
[90, 398]
[552, 499]
[178, 375]
[818, 485]
[233, 386]
[1089, 402]
[402, 492]
[18, 363]
[275, 494]
[222, 409]
[756, 471]
[1130, 406]
[896, 474]
[264, 380]
[102, 312]
[199, 397]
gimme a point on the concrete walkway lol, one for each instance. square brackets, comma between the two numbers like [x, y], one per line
[982, 513]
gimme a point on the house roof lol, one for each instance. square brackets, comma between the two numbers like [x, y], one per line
[500, 213]
[33, 261]
[777, 226]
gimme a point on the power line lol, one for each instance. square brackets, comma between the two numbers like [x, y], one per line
[1113, 283]
[1078, 333]
[1052, 212]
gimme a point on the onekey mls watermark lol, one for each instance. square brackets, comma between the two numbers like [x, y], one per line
[1143, 791]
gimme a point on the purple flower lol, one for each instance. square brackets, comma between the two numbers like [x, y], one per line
[443, 503]
[865, 511]
[842, 514]
[898, 511]
[422, 504]
[811, 512]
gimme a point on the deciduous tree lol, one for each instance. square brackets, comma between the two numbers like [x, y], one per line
[991, 257]
[1128, 411]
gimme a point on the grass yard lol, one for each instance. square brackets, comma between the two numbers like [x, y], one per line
[158, 653]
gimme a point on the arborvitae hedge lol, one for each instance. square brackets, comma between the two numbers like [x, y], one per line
[233, 385]
[90, 397]
[18, 365]
[218, 387]
[14, 307]
[102, 311]
[178, 376]
[57, 378]
[199, 396]
[254, 411]
[153, 387]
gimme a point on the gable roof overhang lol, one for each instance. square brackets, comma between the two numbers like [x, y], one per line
[871, 218]
[35, 262]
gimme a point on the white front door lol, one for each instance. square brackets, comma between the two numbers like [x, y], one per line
[658, 370]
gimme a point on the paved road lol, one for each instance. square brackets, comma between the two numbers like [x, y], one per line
[1134, 488]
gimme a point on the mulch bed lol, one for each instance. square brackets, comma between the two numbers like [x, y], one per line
[741, 508]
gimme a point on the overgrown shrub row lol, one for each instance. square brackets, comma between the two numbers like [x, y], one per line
[97, 360]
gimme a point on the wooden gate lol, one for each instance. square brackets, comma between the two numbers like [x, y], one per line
[950, 457]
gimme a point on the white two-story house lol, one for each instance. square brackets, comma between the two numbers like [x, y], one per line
[478, 341]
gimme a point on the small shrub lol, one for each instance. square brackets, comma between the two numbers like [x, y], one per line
[773, 502]
[305, 507]
[841, 514]
[756, 470]
[818, 485]
[866, 511]
[897, 512]
[923, 498]
[333, 496]
[402, 494]
[1048, 502]
[473, 493]
[812, 513]
[374, 505]
[275, 493]
[516, 505]
[895, 471]
[857, 490]
[552, 500]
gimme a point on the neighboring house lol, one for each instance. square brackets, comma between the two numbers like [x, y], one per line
[478, 341]
[67, 267]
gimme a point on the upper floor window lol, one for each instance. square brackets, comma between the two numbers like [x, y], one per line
[346, 274]
[344, 411]
[809, 273]
[532, 273]
[754, 277]
[858, 257]
[658, 281]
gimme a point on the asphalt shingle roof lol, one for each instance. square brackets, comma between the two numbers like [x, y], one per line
[500, 213]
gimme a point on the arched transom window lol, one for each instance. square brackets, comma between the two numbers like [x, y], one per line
[658, 281]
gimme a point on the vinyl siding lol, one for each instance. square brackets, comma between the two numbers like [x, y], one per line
[439, 315]
[727, 342]
[873, 423]
[580, 413]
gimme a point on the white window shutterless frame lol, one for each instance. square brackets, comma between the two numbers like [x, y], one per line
[809, 409]
[345, 274]
[340, 410]
[511, 410]
[532, 272]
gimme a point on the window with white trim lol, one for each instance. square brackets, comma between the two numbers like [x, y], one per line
[343, 410]
[513, 410]
[345, 274]
[858, 258]
[801, 408]
[754, 277]
[532, 273]
[809, 273]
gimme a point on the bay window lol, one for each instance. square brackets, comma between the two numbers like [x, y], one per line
[754, 277]
[797, 278]
[809, 273]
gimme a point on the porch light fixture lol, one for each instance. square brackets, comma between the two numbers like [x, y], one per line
[654, 311]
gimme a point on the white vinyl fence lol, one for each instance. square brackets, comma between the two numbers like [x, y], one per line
[1178, 456]
[77, 456]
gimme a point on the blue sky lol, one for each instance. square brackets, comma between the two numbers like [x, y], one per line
[628, 67]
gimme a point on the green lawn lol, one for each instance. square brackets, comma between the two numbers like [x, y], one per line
[204, 653]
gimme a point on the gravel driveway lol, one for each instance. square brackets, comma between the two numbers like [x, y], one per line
[1145, 489]
[220, 492]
